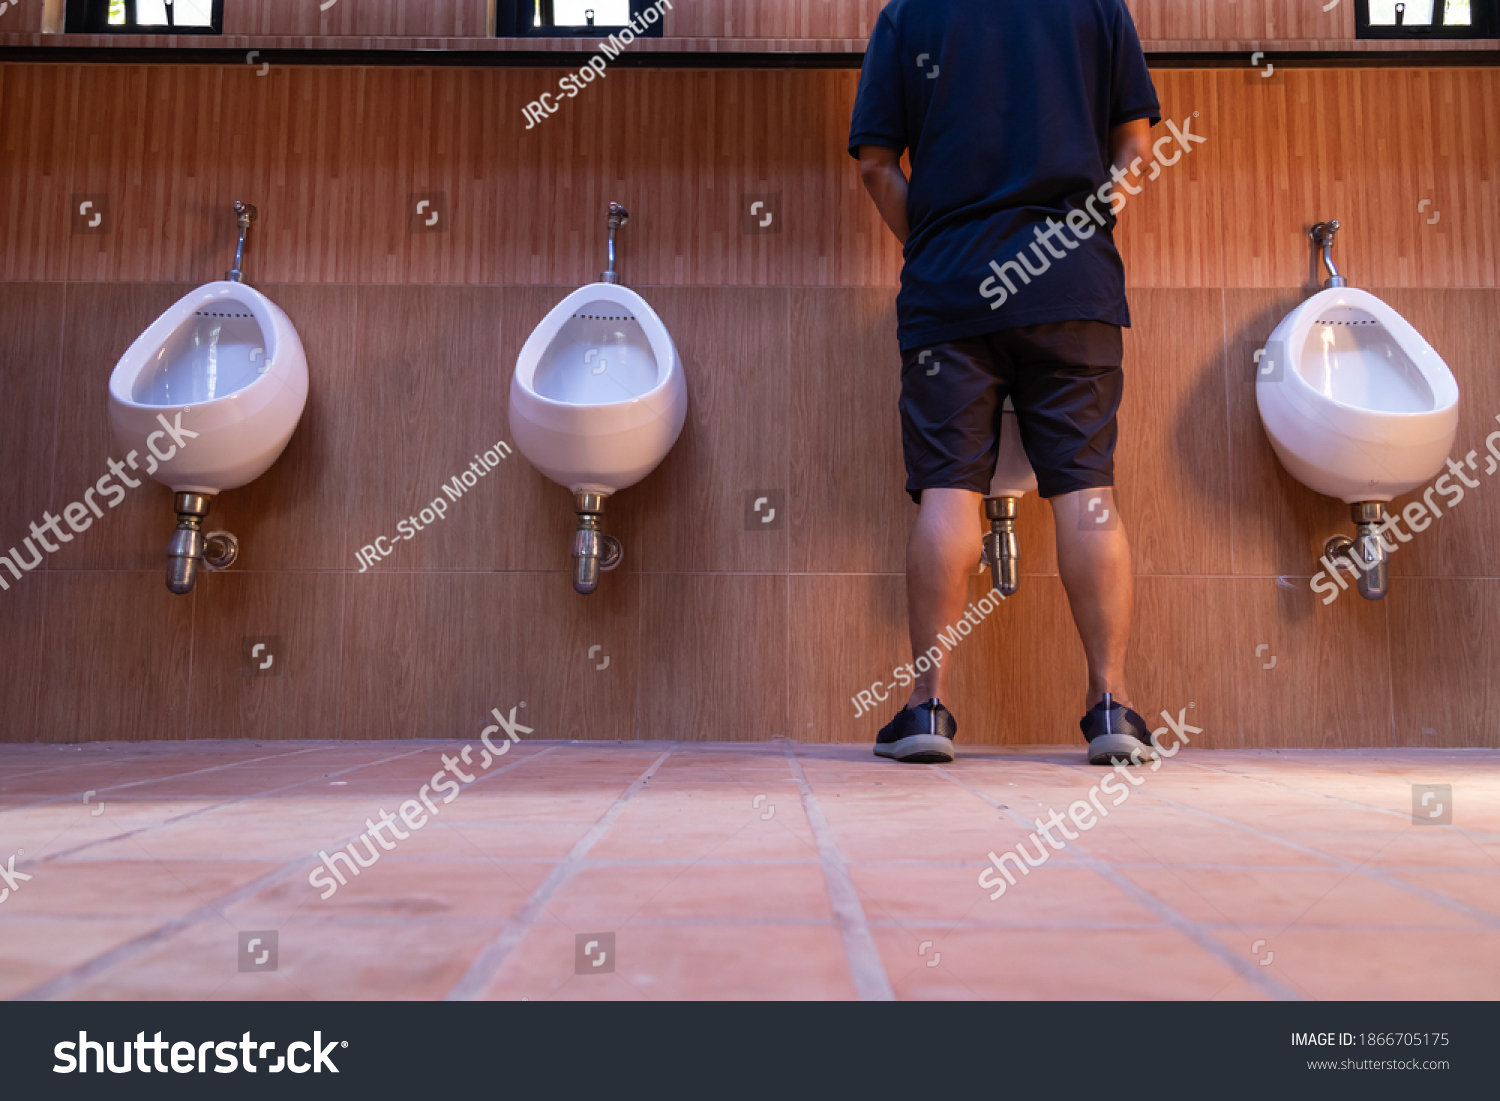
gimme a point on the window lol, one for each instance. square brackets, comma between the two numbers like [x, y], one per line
[145, 16]
[570, 18]
[1427, 18]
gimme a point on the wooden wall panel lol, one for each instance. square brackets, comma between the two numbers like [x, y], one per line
[1172, 234]
[423, 402]
[701, 634]
[336, 158]
[147, 139]
[713, 656]
[428, 655]
[690, 515]
[1444, 634]
[298, 143]
[837, 237]
[117, 658]
[305, 612]
[415, 18]
[1435, 141]
[21, 16]
[1292, 154]
[744, 26]
[38, 109]
[1329, 685]
[1173, 455]
[849, 510]
[773, 18]
[1260, 20]
[31, 328]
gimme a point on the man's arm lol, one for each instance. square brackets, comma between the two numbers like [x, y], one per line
[880, 168]
[1128, 142]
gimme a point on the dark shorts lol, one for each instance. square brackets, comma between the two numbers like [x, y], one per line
[1065, 382]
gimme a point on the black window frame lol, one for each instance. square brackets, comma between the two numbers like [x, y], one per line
[513, 19]
[1486, 16]
[92, 17]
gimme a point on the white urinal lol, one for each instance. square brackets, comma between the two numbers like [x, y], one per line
[1014, 478]
[209, 395]
[1357, 405]
[596, 402]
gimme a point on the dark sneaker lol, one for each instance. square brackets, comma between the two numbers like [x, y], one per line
[1116, 735]
[923, 737]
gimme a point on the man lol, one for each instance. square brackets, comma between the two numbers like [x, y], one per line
[1014, 112]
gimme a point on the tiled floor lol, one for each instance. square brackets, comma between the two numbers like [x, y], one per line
[772, 870]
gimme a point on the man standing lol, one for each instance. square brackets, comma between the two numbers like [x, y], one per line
[1017, 114]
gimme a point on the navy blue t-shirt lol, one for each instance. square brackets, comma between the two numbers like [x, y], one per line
[1006, 107]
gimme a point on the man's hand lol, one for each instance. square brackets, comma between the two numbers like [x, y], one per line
[880, 168]
[1129, 142]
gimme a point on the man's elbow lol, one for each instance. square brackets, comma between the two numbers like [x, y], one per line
[875, 161]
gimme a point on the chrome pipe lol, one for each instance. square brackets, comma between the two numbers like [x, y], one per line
[185, 548]
[1369, 551]
[1002, 547]
[618, 218]
[1322, 235]
[244, 215]
[593, 551]
[1367, 555]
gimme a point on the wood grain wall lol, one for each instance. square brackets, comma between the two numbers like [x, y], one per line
[712, 630]
[728, 25]
[360, 18]
[333, 157]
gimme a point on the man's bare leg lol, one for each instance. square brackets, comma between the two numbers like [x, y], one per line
[1094, 560]
[940, 556]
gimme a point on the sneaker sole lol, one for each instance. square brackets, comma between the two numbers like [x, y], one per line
[918, 749]
[1124, 749]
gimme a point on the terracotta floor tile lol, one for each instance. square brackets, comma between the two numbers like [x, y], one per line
[608, 898]
[664, 962]
[1053, 894]
[1281, 898]
[1029, 964]
[1479, 888]
[317, 961]
[394, 888]
[129, 888]
[715, 882]
[1207, 844]
[780, 837]
[1332, 965]
[34, 950]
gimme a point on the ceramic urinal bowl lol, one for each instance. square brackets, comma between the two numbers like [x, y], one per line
[598, 399]
[1356, 403]
[225, 363]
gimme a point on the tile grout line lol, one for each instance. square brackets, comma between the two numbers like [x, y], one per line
[187, 711]
[1344, 864]
[865, 965]
[69, 980]
[47, 571]
[221, 806]
[481, 973]
[167, 779]
[1390, 673]
[640, 630]
[1227, 372]
[346, 590]
[1241, 967]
